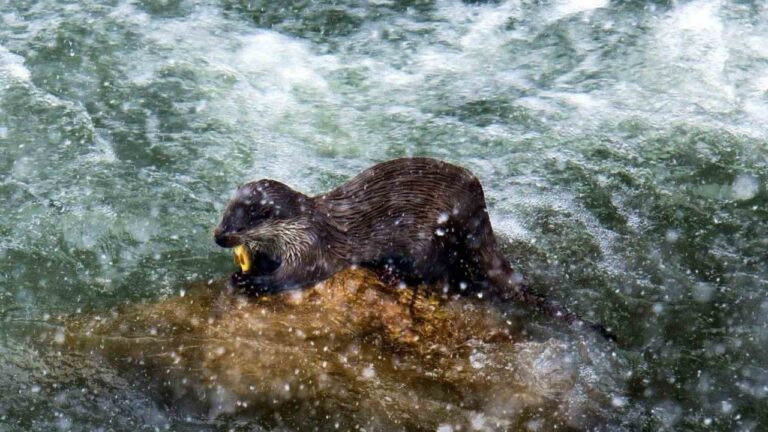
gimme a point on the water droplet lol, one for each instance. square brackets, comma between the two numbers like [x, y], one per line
[59, 337]
[477, 359]
[745, 187]
[618, 401]
[369, 372]
[672, 235]
[703, 292]
[478, 421]
[657, 308]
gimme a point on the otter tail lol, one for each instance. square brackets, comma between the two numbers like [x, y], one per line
[510, 286]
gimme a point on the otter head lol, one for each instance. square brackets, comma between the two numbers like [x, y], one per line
[266, 223]
[255, 210]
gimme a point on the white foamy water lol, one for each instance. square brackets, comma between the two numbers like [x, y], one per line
[12, 67]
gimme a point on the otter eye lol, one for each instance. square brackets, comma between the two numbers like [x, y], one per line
[261, 214]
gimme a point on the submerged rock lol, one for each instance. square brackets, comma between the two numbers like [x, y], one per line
[349, 352]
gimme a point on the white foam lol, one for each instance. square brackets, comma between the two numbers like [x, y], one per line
[563, 8]
[692, 40]
[761, 83]
[510, 227]
[589, 105]
[758, 44]
[699, 16]
[12, 67]
[486, 31]
[283, 62]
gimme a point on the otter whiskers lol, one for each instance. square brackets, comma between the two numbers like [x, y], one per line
[287, 239]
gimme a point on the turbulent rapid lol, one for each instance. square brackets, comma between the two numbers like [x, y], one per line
[622, 147]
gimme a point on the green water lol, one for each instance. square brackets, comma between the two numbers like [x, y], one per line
[622, 145]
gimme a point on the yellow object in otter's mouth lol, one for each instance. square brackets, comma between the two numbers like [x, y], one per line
[242, 258]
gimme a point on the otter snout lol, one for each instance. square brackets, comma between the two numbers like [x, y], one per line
[225, 238]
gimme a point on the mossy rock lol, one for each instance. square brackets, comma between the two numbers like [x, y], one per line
[351, 351]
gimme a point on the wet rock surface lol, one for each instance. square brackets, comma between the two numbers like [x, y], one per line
[350, 352]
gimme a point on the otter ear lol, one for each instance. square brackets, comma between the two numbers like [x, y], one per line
[248, 191]
[242, 191]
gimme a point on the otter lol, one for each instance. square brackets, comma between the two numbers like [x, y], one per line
[416, 219]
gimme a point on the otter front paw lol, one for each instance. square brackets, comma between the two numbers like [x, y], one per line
[250, 284]
[238, 280]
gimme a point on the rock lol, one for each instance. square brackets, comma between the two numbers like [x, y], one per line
[349, 351]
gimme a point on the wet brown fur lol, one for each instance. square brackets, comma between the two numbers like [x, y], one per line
[421, 219]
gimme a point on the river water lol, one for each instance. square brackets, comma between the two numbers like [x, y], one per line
[622, 145]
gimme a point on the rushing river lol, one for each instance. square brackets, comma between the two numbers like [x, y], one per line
[623, 147]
